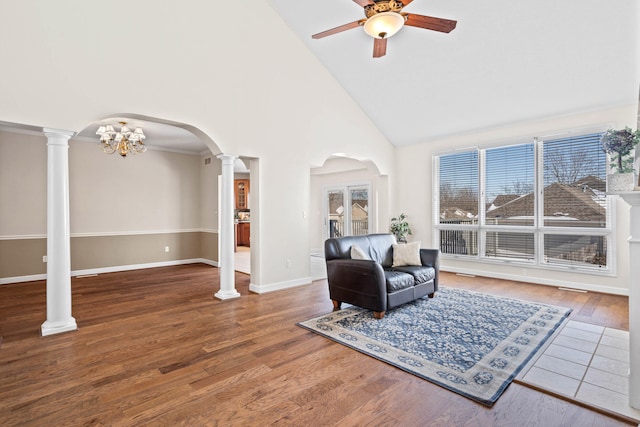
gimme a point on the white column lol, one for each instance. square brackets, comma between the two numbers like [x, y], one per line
[226, 232]
[633, 199]
[59, 317]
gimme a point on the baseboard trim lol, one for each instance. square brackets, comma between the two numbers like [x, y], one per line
[539, 281]
[278, 286]
[102, 270]
[18, 279]
[142, 266]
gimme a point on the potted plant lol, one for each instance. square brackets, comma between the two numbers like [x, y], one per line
[619, 144]
[400, 228]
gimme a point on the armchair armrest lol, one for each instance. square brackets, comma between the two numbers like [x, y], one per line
[431, 258]
[357, 282]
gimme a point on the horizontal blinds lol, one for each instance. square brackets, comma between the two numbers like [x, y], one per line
[510, 245]
[531, 191]
[458, 195]
[459, 242]
[509, 185]
[574, 182]
[563, 249]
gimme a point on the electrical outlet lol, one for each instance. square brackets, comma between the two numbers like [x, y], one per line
[44, 258]
[288, 263]
[166, 248]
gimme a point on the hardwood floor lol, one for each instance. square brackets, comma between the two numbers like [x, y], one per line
[155, 348]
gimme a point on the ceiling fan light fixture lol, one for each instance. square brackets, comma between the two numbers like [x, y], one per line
[383, 25]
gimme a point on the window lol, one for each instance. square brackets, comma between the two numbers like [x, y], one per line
[541, 203]
[347, 210]
[458, 201]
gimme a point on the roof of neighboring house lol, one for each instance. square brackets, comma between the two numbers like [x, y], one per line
[578, 201]
[336, 204]
[593, 182]
[358, 212]
[502, 199]
[456, 213]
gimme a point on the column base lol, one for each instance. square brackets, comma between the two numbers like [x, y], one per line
[222, 295]
[50, 328]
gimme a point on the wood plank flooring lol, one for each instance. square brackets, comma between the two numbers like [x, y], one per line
[155, 348]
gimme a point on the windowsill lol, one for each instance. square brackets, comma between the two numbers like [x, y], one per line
[530, 264]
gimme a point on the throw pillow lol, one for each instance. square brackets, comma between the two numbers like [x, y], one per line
[406, 254]
[357, 253]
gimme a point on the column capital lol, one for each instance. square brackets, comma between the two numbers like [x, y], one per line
[227, 158]
[57, 133]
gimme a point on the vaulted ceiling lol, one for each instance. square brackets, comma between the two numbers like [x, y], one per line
[505, 62]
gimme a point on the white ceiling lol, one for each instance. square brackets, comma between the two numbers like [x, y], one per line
[506, 62]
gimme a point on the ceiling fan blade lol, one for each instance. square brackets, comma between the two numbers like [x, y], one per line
[363, 3]
[430, 22]
[339, 29]
[379, 47]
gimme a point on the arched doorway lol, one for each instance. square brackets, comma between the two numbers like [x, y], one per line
[348, 197]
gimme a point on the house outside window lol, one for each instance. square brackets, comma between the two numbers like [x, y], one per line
[347, 209]
[540, 203]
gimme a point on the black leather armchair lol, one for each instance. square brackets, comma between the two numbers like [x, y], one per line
[374, 284]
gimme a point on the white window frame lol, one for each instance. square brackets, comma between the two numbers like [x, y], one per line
[538, 229]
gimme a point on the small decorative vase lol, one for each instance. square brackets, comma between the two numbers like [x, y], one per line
[620, 182]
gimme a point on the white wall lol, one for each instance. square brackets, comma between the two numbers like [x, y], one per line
[209, 193]
[415, 193]
[248, 84]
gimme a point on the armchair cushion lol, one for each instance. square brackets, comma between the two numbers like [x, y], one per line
[397, 280]
[406, 254]
[419, 274]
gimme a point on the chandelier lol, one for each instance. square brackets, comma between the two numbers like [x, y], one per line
[122, 142]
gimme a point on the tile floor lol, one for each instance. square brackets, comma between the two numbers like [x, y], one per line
[587, 363]
[242, 260]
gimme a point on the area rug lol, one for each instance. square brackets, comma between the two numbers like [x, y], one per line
[468, 342]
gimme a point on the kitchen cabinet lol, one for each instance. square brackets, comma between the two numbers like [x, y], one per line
[242, 193]
[244, 234]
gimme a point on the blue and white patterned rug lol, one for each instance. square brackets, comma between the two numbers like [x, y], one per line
[471, 343]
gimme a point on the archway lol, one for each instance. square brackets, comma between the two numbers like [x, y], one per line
[345, 176]
[215, 212]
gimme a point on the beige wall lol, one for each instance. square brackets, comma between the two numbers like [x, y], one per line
[23, 185]
[114, 251]
[22, 257]
[157, 191]
[415, 192]
[123, 212]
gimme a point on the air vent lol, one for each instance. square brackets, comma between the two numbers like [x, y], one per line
[207, 161]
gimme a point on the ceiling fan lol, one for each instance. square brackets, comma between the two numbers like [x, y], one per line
[385, 18]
